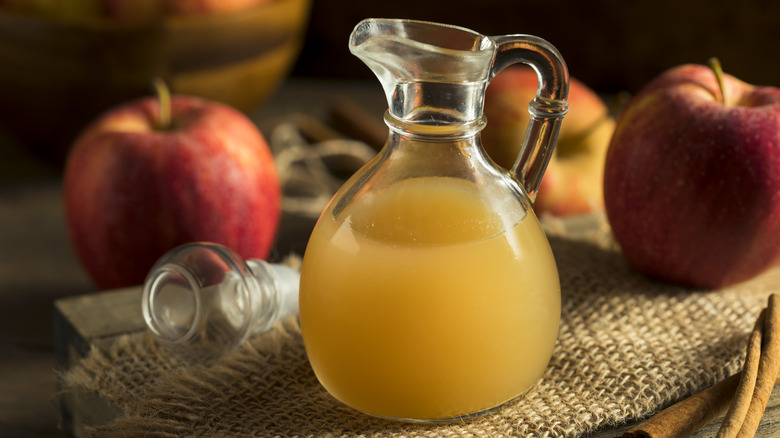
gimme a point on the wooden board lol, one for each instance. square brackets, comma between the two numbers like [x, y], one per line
[94, 320]
[84, 322]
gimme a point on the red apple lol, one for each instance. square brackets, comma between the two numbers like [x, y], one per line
[692, 182]
[572, 183]
[134, 190]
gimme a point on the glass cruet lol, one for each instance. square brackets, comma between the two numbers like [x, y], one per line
[428, 289]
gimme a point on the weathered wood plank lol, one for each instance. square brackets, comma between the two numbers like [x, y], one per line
[94, 319]
[84, 322]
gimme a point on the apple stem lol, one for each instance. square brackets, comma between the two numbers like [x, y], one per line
[714, 64]
[164, 99]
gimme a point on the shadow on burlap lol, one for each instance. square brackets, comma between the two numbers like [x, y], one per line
[627, 347]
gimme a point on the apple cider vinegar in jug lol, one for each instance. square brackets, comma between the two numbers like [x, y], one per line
[428, 289]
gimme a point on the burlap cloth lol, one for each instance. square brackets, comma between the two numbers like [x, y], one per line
[628, 346]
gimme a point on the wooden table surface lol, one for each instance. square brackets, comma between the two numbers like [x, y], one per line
[38, 265]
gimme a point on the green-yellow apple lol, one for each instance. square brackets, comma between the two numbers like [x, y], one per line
[692, 180]
[572, 183]
[137, 185]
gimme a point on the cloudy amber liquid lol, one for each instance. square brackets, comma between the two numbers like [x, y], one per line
[423, 304]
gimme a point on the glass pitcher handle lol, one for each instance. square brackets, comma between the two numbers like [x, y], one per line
[547, 108]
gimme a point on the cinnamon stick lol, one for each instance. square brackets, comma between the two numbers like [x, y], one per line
[354, 121]
[689, 415]
[747, 383]
[768, 366]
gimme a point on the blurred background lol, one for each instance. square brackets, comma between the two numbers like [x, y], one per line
[63, 62]
[56, 74]
[611, 45]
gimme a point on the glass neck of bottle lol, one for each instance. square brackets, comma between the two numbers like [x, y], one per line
[275, 296]
[451, 150]
[434, 132]
[432, 103]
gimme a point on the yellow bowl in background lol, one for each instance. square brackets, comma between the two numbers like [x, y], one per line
[58, 75]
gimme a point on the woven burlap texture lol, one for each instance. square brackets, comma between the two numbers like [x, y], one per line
[628, 346]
